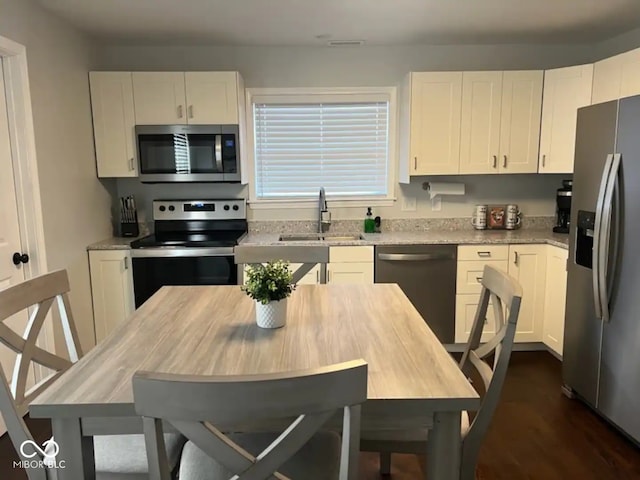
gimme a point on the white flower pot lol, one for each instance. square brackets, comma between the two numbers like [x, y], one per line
[271, 315]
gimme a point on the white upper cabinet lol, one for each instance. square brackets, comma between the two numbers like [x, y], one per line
[500, 122]
[212, 98]
[159, 98]
[434, 131]
[616, 77]
[480, 131]
[565, 91]
[520, 121]
[113, 123]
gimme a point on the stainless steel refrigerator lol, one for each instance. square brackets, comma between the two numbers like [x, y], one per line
[601, 362]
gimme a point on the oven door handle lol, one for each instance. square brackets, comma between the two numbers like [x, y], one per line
[173, 252]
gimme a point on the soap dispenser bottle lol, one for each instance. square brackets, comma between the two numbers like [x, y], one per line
[369, 222]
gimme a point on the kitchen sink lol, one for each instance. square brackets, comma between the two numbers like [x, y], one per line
[319, 237]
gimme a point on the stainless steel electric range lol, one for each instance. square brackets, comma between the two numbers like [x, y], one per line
[192, 245]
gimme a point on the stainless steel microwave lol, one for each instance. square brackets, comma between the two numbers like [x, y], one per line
[188, 153]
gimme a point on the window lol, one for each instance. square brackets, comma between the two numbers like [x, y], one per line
[341, 142]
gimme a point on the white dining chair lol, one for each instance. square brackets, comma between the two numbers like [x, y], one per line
[490, 361]
[117, 457]
[301, 451]
[307, 256]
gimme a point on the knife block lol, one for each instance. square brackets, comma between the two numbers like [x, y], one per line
[129, 229]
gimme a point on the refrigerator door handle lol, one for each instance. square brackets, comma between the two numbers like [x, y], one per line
[597, 237]
[605, 279]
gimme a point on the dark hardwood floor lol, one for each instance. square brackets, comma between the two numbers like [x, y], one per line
[537, 433]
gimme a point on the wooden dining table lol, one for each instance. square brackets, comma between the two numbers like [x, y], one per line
[211, 330]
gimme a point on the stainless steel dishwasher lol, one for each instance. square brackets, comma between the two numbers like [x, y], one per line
[427, 275]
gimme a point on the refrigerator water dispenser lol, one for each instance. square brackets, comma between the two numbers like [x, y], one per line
[584, 238]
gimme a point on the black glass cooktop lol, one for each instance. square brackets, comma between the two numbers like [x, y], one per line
[190, 240]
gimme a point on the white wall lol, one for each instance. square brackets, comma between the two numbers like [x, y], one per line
[359, 66]
[75, 204]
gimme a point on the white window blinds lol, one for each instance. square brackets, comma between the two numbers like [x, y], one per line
[300, 147]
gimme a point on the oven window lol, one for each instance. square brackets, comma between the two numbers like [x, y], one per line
[177, 153]
[150, 274]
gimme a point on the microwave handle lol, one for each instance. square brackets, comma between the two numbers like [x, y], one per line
[218, 153]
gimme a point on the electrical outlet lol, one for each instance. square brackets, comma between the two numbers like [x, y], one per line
[436, 204]
[409, 204]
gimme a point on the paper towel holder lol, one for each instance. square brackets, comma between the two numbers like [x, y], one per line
[449, 189]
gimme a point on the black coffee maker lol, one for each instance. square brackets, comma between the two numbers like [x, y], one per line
[563, 207]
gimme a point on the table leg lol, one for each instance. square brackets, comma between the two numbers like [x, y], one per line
[444, 447]
[76, 451]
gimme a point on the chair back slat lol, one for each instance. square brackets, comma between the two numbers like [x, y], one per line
[191, 403]
[504, 293]
[307, 256]
[40, 293]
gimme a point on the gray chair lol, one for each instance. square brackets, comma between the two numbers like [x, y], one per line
[310, 397]
[307, 256]
[503, 291]
[118, 457]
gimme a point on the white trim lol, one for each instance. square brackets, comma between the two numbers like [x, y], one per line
[25, 164]
[309, 94]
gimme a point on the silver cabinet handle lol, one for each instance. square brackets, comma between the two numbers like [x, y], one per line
[126, 263]
[504, 163]
[484, 254]
[180, 112]
[190, 111]
[495, 161]
[479, 279]
[415, 163]
[515, 257]
[131, 166]
[597, 275]
[544, 160]
[413, 257]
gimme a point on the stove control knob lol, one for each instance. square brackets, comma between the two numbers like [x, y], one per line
[162, 208]
[236, 208]
[226, 207]
[171, 208]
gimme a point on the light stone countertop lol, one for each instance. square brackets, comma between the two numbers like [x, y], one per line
[456, 237]
[460, 237]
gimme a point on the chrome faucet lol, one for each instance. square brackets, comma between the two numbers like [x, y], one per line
[324, 216]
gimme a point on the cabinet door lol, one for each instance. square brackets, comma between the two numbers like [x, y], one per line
[607, 79]
[469, 275]
[311, 278]
[565, 91]
[353, 272]
[555, 298]
[113, 123]
[212, 98]
[480, 130]
[466, 307]
[630, 74]
[111, 289]
[527, 264]
[159, 98]
[435, 123]
[520, 121]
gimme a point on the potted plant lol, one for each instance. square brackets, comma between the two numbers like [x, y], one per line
[269, 285]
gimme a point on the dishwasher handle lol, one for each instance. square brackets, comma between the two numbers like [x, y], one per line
[414, 257]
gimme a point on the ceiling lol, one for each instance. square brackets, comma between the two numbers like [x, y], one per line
[378, 22]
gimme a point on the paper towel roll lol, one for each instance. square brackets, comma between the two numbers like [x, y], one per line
[442, 188]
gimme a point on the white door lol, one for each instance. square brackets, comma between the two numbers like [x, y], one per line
[527, 264]
[520, 121]
[435, 123]
[113, 123]
[565, 91]
[159, 98]
[10, 274]
[212, 98]
[480, 131]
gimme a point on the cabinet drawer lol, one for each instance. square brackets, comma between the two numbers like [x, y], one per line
[483, 252]
[470, 274]
[350, 254]
[466, 307]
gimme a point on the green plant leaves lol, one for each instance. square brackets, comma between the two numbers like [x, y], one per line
[269, 282]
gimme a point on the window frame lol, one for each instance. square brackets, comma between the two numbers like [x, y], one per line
[312, 95]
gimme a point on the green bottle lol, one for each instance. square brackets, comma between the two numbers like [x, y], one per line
[369, 223]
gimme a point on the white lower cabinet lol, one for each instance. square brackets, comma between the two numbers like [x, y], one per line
[111, 289]
[466, 307]
[312, 277]
[350, 265]
[555, 298]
